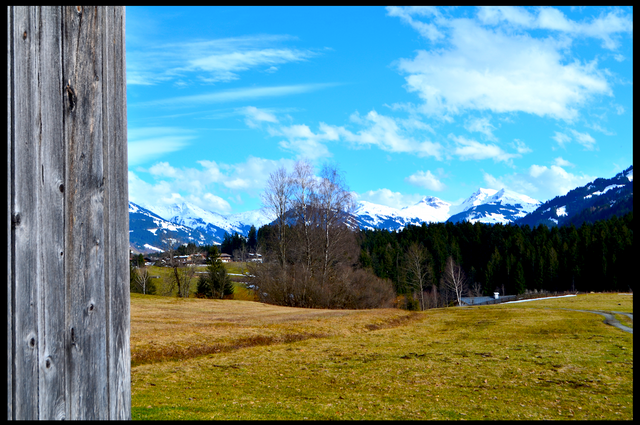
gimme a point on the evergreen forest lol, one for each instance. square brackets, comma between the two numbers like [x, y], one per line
[511, 259]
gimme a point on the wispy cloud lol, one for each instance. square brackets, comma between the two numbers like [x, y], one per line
[481, 125]
[585, 140]
[605, 27]
[234, 95]
[389, 198]
[254, 116]
[150, 143]
[427, 30]
[561, 138]
[539, 181]
[469, 149]
[426, 180]
[210, 61]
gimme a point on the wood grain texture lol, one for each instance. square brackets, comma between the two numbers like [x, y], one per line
[82, 70]
[68, 297]
[24, 213]
[51, 231]
[9, 236]
[116, 197]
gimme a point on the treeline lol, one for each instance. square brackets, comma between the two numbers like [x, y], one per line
[508, 258]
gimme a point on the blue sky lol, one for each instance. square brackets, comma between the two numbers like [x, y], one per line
[407, 102]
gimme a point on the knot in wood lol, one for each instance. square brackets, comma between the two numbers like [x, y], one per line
[15, 220]
[71, 95]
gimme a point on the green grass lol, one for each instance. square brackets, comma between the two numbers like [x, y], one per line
[606, 302]
[513, 361]
[240, 291]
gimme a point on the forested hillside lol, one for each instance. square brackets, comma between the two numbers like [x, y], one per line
[593, 257]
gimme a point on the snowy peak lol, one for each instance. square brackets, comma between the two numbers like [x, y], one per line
[148, 232]
[429, 209]
[494, 206]
[600, 199]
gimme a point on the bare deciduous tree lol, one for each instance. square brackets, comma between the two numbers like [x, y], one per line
[335, 206]
[276, 202]
[142, 279]
[317, 249]
[454, 279]
[304, 193]
[476, 289]
[417, 269]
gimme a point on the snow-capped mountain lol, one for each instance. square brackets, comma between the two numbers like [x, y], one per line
[477, 198]
[495, 206]
[374, 216]
[600, 199]
[148, 231]
[209, 222]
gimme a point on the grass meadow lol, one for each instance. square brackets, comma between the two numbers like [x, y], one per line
[235, 359]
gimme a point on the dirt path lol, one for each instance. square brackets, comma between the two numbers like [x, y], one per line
[609, 318]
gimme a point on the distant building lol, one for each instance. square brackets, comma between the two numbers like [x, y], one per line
[225, 258]
[257, 258]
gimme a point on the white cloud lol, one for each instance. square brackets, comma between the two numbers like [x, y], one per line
[561, 138]
[606, 27]
[468, 149]
[521, 147]
[480, 125]
[426, 180]
[389, 135]
[429, 31]
[490, 69]
[387, 197]
[539, 181]
[384, 132]
[199, 185]
[560, 162]
[584, 139]
[253, 116]
[149, 143]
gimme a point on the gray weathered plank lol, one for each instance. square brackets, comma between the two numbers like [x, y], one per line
[117, 216]
[83, 130]
[120, 179]
[68, 271]
[9, 238]
[24, 213]
[50, 247]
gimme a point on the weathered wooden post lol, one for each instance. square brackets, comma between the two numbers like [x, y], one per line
[68, 262]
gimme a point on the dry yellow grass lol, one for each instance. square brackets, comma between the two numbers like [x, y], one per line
[496, 362]
[164, 328]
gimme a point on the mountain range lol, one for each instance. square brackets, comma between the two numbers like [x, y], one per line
[185, 222]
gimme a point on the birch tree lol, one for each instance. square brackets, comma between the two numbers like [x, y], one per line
[454, 279]
[417, 268]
